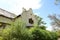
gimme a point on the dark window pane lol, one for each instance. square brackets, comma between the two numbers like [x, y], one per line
[31, 21]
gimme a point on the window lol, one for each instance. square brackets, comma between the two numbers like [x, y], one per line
[31, 21]
[2, 25]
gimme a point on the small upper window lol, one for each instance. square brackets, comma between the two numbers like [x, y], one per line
[0, 24]
[31, 21]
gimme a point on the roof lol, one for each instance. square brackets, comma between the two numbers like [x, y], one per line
[6, 17]
[6, 13]
[10, 15]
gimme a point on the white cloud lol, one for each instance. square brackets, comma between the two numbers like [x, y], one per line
[38, 14]
[49, 28]
[17, 5]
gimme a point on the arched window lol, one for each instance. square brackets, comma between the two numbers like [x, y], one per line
[31, 21]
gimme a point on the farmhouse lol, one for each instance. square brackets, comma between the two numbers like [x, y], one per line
[27, 16]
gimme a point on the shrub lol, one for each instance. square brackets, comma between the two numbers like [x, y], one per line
[18, 31]
[40, 34]
[1, 38]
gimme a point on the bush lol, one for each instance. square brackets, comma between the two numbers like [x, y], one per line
[1, 38]
[40, 34]
[18, 31]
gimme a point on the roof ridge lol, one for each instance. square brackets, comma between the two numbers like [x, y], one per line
[7, 11]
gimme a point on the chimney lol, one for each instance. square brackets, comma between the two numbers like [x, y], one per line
[23, 9]
[30, 9]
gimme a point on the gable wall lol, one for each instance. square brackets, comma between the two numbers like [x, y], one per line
[5, 20]
[26, 15]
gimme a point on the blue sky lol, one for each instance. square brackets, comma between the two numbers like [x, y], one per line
[41, 8]
[48, 7]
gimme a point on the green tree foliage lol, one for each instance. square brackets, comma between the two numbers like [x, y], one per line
[42, 27]
[40, 23]
[40, 34]
[58, 32]
[18, 31]
[55, 23]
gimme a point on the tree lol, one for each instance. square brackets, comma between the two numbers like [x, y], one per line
[40, 23]
[17, 31]
[57, 2]
[40, 34]
[58, 32]
[55, 22]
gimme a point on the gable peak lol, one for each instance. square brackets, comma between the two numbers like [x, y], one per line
[23, 9]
